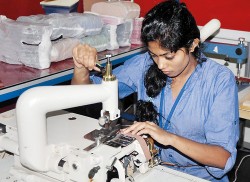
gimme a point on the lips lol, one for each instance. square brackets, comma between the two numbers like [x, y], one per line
[165, 71]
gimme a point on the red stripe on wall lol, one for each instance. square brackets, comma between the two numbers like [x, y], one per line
[233, 15]
[15, 8]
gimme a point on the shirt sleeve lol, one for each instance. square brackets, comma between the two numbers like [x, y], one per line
[95, 79]
[222, 125]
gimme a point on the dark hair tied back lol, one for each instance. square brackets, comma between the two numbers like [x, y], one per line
[145, 111]
[154, 81]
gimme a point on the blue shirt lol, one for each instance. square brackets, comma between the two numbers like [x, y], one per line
[206, 113]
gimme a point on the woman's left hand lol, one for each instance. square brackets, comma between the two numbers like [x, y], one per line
[150, 128]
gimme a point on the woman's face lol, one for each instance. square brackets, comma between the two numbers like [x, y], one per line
[170, 63]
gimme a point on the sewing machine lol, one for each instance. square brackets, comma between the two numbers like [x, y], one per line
[50, 144]
[237, 52]
[229, 52]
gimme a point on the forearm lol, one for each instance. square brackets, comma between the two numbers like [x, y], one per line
[206, 154]
[209, 155]
[80, 76]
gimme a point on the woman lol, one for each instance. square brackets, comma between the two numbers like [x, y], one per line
[187, 103]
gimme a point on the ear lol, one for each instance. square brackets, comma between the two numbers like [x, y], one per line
[194, 45]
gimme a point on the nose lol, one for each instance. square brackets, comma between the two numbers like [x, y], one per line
[160, 62]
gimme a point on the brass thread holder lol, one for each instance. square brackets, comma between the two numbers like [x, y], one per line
[108, 76]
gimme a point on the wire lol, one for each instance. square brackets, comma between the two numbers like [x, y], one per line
[177, 165]
[236, 170]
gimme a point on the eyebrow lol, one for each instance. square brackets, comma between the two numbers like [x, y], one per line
[160, 54]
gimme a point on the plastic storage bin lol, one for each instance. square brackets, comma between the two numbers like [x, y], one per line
[60, 6]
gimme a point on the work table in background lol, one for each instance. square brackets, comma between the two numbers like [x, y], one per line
[244, 100]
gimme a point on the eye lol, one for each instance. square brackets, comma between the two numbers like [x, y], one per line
[153, 56]
[169, 58]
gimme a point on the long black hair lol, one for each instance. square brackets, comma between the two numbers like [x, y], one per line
[173, 26]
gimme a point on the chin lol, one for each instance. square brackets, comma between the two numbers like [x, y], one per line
[168, 73]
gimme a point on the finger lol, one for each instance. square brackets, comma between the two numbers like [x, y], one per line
[82, 53]
[93, 59]
[138, 127]
[97, 69]
[76, 60]
[144, 131]
[76, 63]
[151, 123]
[85, 56]
[148, 128]
[88, 56]
[130, 128]
[90, 62]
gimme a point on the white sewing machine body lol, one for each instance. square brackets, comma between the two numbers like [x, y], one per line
[66, 133]
[49, 145]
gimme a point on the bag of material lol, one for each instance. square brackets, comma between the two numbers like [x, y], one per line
[68, 25]
[112, 20]
[118, 15]
[63, 49]
[121, 9]
[124, 32]
[25, 43]
[136, 32]
[110, 32]
[100, 41]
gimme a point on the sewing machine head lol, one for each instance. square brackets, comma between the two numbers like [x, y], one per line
[67, 146]
[229, 52]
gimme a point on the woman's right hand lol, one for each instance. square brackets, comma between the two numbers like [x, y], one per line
[85, 56]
